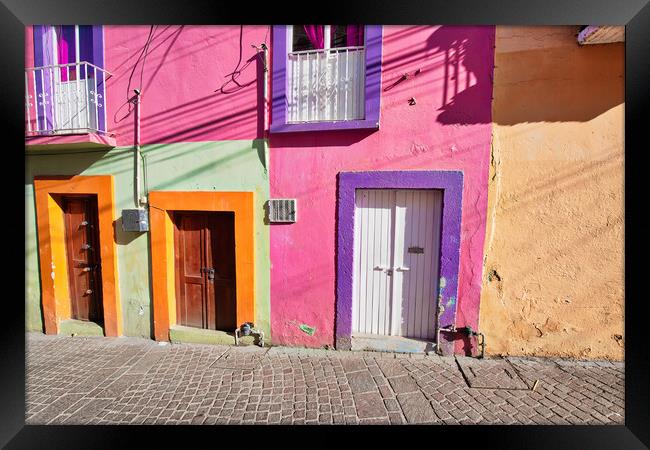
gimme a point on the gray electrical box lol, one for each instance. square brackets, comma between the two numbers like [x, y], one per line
[135, 220]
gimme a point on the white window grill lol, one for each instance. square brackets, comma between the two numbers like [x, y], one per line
[65, 98]
[326, 84]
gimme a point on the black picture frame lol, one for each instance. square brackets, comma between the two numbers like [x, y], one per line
[634, 14]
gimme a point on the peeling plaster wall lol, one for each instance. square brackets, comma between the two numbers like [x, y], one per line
[448, 128]
[198, 166]
[553, 272]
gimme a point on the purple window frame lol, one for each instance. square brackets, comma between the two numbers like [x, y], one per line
[372, 93]
[451, 183]
[94, 56]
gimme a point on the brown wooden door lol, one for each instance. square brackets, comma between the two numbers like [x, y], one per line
[222, 246]
[82, 246]
[205, 268]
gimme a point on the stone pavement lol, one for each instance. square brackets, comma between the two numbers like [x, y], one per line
[78, 380]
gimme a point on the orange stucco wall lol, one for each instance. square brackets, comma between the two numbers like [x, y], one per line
[51, 247]
[553, 269]
[162, 250]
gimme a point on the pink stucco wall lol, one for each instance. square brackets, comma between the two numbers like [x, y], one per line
[184, 71]
[447, 129]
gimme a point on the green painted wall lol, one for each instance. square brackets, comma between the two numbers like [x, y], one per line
[197, 166]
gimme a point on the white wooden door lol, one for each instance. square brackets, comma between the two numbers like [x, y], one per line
[396, 260]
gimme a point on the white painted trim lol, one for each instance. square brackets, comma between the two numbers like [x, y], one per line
[77, 50]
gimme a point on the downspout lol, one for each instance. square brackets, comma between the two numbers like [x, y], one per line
[136, 161]
[265, 55]
[267, 108]
[265, 119]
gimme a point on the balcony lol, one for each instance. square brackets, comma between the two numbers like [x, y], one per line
[326, 85]
[65, 105]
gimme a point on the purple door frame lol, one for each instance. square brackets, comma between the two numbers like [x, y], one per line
[451, 183]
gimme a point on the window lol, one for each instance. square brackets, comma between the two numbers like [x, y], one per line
[325, 77]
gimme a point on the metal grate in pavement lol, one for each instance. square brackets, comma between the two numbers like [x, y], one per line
[490, 373]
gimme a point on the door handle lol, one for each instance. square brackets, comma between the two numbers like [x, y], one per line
[402, 269]
[378, 268]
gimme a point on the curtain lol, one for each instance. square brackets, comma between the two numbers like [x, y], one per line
[316, 35]
[354, 35]
[62, 53]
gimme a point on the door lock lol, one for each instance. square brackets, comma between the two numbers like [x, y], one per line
[209, 271]
[86, 247]
[89, 291]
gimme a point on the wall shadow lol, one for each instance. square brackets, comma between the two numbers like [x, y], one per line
[464, 101]
[61, 163]
[547, 77]
[122, 237]
[338, 138]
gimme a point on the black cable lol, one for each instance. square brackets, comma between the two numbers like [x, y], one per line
[128, 86]
[237, 72]
[146, 52]
[146, 45]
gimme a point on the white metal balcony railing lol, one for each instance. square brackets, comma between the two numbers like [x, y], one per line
[326, 85]
[65, 99]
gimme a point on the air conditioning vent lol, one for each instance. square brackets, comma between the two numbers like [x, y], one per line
[282, 210]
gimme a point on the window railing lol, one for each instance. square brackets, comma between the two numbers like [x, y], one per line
[65, 99]
[326, 85]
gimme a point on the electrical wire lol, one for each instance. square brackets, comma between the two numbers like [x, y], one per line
[145, 50]
[237, 72]
[144, 173]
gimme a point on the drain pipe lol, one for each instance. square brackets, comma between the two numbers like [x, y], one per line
[136, 191]
[265, 52]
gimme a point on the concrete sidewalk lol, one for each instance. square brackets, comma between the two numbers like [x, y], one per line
[78, 380]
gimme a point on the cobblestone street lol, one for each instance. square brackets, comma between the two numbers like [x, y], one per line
[76, 380]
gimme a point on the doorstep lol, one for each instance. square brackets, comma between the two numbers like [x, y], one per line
[73, 327]
[393, 344]
[179, 334]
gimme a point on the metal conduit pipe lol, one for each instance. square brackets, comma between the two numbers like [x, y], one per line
[136, 157]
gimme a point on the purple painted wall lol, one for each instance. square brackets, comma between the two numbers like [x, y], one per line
[449, 73]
